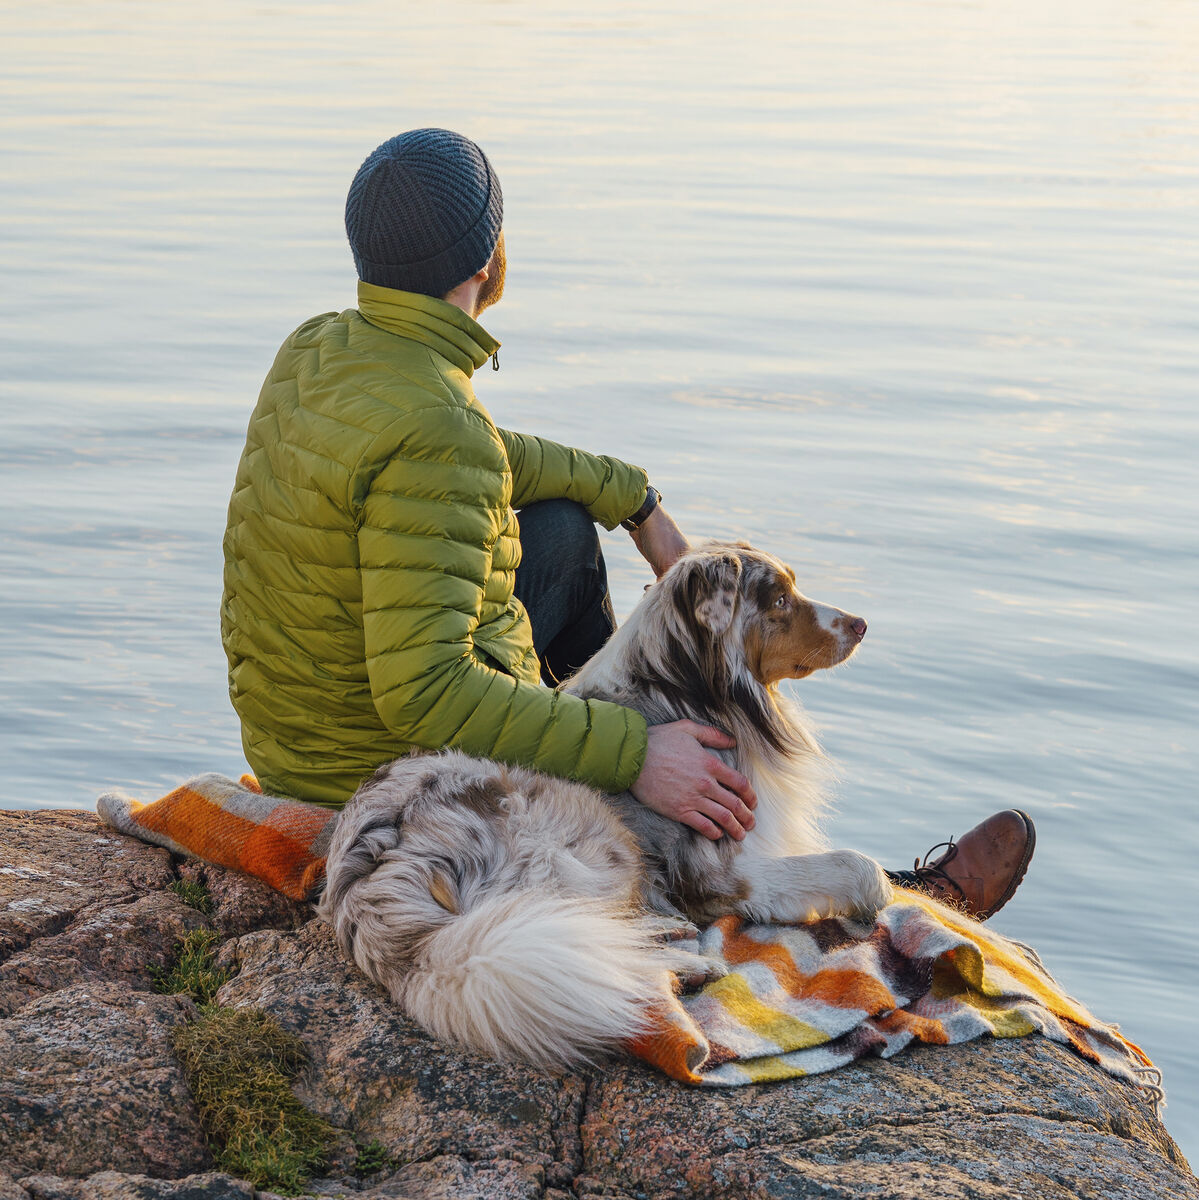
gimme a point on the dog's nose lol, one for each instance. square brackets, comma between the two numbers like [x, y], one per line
[859, 628]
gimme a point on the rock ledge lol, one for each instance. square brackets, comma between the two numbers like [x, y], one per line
[94, 1104]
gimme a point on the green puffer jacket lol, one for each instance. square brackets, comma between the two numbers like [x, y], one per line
[370, 556]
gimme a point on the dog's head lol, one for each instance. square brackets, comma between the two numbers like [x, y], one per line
[744, 601]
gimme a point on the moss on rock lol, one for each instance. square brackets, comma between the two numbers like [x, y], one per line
[194, 895]
[193, 972]
[239, 1065]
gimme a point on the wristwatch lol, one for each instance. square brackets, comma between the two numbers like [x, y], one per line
[652, 497]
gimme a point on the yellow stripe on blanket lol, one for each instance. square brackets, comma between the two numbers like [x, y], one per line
[768, 1070]
[736, 996]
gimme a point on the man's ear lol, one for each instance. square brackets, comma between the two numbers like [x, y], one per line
[712, 589]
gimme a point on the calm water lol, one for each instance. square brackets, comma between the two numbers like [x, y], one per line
[904, 292]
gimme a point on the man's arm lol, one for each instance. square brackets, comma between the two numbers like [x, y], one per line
[424, 560]
[606, 487]
[424, 547]
[609, 489]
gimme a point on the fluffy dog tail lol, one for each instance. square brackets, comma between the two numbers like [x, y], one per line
[540, 979]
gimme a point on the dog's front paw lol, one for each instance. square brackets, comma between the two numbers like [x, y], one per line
[867, 888]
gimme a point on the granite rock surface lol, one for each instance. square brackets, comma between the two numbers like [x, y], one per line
[94, 1104]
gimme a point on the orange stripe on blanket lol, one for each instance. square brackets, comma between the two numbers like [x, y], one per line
[668, 1047]
[926, 1029]
[837, 987]
[278, 853]
[298, 822]
[1076, 1034]
[282, 861]
[207, 830]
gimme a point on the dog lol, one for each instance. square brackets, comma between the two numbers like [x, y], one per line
[522, 915]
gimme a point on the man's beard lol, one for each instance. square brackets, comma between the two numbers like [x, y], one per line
[493, 286]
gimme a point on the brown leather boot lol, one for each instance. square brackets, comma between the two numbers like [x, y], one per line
[980, 872]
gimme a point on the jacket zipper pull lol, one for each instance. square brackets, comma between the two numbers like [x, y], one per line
[495, 361]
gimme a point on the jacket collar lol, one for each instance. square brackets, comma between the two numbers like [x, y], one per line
[442, 327]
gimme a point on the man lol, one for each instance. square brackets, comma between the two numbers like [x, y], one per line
[380, 594]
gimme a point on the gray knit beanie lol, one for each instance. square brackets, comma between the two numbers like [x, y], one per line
[424, 212]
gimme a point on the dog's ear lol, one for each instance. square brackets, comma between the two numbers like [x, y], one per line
[712, 589]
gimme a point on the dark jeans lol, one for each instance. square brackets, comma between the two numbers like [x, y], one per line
[563, 584]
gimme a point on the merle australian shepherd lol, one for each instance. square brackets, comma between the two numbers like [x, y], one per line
[521, 914]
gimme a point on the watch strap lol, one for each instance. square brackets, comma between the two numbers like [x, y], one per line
[637, 519]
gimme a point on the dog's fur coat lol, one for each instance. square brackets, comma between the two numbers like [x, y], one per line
[519, 914]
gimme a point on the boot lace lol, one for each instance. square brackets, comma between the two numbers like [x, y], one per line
[929, 877]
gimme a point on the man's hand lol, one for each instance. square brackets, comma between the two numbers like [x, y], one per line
[660, 541]
[681, 780]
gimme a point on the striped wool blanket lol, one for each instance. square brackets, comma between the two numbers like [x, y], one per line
[796, 999]
[804, 999]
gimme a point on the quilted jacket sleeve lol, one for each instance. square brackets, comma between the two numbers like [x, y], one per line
[424, 543]
[543, 470]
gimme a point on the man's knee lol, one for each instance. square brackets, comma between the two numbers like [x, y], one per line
[562, 531]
